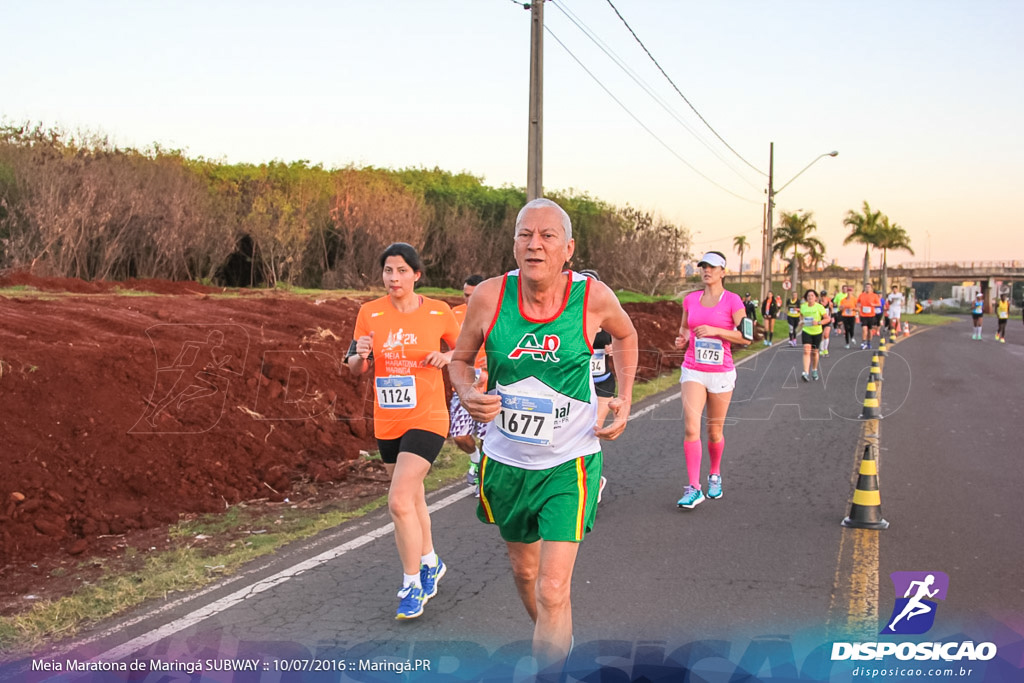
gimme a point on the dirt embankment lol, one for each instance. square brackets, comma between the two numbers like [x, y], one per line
[123, 412]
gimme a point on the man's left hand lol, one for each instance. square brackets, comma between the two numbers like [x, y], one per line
[620, 408]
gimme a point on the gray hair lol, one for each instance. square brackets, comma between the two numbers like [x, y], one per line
[544, 203]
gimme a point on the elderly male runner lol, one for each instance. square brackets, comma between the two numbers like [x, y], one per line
[542, 457]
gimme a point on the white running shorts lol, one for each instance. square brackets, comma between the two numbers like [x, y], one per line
[714, 382]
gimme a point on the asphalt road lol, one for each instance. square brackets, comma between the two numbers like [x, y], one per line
[760, 581]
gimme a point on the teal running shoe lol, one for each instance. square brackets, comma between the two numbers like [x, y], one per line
[692, 497]
[714, 486]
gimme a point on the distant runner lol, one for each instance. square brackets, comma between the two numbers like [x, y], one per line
[815, 319]
[793, 316]
[848, 311]
[1002, 315]
[769, 311]
[826, 331]
[867, 305]
[977, 313]
[896, 300]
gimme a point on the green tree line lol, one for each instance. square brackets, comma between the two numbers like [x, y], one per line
[83, 207]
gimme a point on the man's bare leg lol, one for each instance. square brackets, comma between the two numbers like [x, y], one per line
[525, 559]
[543, 573]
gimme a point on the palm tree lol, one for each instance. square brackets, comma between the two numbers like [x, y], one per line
[813, 260]
[794, 232]
[863, 230]
[890, 236]
[740, 244]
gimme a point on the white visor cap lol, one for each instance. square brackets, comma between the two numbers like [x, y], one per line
[711, 259]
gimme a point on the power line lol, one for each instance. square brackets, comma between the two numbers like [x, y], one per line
[642, 124]
[644, 86]
[674, 86]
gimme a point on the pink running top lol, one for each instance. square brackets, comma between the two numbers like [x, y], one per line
[710, 354]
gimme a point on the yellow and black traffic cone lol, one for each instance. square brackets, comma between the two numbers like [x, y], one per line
[876, 369]
[883, 348]
[871, 408]
[866, 509]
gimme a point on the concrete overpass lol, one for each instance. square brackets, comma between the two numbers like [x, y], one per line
[990, 274]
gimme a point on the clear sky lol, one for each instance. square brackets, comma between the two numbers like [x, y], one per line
[923, 99]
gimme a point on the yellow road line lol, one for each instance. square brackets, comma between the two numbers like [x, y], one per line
[853, 608]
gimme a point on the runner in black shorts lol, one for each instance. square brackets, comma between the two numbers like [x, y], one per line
[398, 337]
[604, 377]
[769, 311]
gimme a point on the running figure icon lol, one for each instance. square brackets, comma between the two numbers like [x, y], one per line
[196, 373]
[915, 606]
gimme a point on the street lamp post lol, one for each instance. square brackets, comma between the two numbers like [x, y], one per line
[769, 238]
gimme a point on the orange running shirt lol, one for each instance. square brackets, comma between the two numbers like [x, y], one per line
[460, 316]
[849, 306]
[867, 303]
[407, 395]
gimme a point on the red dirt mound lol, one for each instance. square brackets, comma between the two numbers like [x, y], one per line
[124, 412]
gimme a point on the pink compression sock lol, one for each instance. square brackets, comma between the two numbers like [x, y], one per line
[692, 450]
[715, 449]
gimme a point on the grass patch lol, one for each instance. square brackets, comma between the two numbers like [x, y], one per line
[627, 297]
[440, 292]
[927, 319]
[642, 390]
[189, 566]
[120, 291]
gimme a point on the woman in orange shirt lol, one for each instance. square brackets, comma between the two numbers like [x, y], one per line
[400, 335]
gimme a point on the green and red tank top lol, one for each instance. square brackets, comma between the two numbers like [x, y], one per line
[541, 370]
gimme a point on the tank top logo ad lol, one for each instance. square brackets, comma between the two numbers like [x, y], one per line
[540, 351]
[398, 340]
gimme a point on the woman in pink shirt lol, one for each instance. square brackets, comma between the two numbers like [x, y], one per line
[709, 328]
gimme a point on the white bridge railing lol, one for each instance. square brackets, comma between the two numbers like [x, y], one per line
[961, 265]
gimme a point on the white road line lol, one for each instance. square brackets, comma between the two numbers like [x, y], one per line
[238, 596]
[217, 606]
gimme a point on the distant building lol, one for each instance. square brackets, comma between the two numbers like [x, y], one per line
[965, 293]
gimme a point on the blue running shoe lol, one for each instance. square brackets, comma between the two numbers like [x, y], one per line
[692, 497]
[429, 576]
[714, 486]
[815, 376]
[413, 600]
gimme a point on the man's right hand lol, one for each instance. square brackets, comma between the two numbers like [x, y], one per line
[483, 407]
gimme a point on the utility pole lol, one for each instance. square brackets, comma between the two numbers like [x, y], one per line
[535, 142]
[766, 273]
[769, 238]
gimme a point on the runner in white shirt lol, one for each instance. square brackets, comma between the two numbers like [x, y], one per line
[895, 309]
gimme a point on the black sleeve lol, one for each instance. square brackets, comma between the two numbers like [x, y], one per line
[352, 351]
[602, 339]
